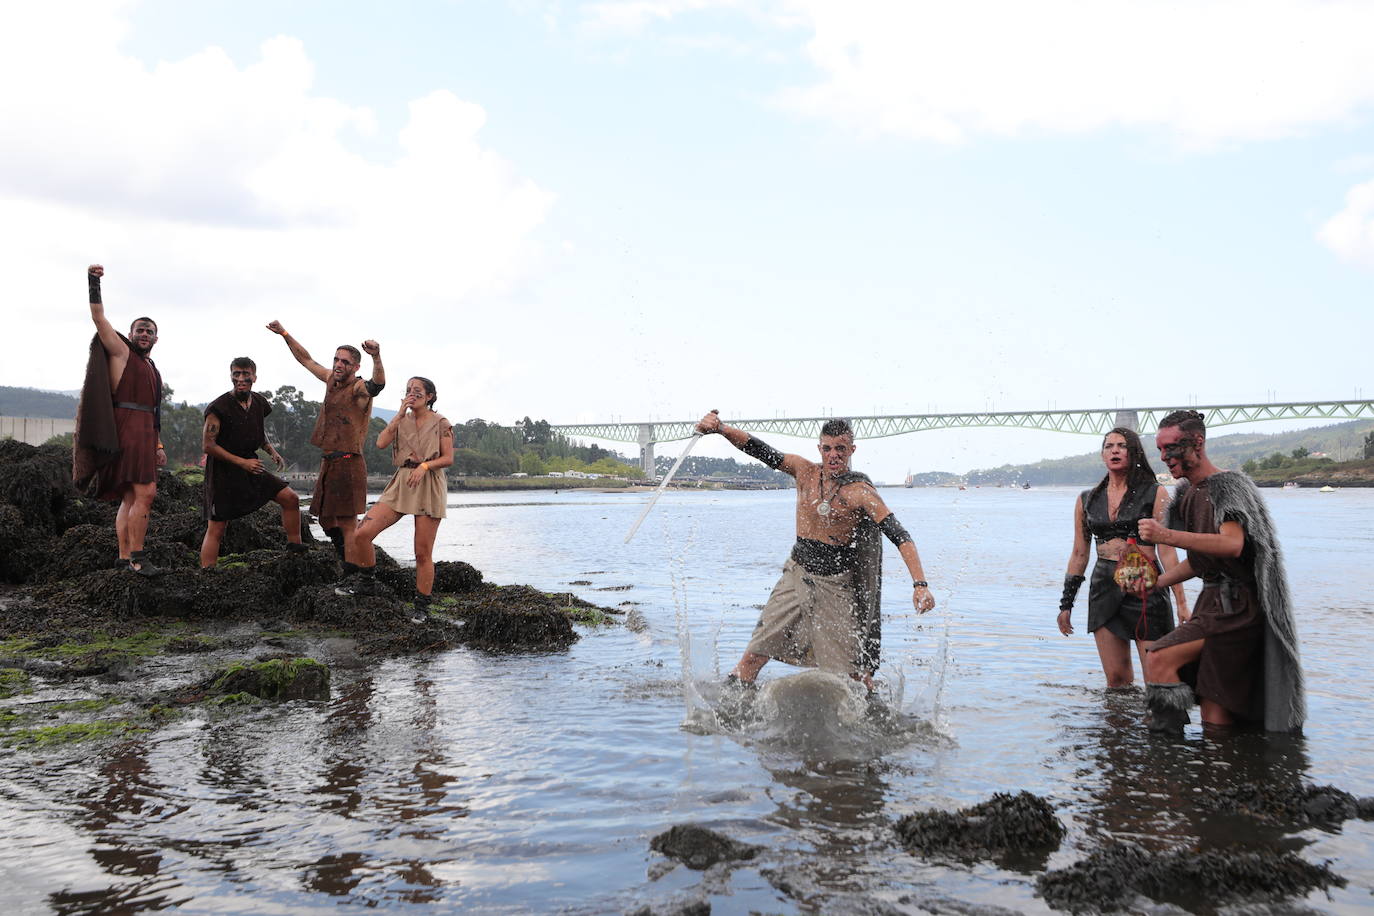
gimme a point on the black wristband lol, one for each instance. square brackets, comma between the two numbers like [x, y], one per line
[94, 283]
[920, 583]
[1071, 586]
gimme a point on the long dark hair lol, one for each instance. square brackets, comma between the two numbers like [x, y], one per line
[1138, 470]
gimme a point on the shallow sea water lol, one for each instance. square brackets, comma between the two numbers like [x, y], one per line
[532, 783]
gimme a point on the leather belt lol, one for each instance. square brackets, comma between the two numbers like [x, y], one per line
[328, 455]
[1228, 587]
[129, 405]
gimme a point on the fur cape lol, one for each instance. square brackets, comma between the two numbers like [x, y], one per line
[95, 442]
[868, 582]
[1236, 499]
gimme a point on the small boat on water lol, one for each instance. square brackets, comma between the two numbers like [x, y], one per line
[1290, 485]
[1327, 489]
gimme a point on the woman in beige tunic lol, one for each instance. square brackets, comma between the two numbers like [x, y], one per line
[421, 447]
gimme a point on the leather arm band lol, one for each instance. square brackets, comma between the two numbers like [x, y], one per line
[757, 448]
[894, 530]
[1071, 586]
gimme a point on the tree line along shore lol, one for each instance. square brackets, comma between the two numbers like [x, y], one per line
[486, 455]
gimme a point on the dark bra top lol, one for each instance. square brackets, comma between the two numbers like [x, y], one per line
[1138, 503]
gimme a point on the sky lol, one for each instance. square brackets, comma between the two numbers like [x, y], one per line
[645, 209]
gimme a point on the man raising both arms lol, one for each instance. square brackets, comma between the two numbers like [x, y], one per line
[117, 426]
[825, 610]
[341, 430]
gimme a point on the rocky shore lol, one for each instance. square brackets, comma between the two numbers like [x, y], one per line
[252, 627]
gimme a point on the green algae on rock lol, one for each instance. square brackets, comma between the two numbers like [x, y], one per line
[274, 679]
[13, 681]
[71, 732]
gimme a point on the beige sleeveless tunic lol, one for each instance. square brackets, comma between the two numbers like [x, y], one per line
[417, 443]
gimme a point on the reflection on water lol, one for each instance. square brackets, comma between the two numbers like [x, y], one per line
[515, 784]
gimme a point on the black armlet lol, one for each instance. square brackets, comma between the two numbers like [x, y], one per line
[894, 530]
[373, 388]
[757, 448]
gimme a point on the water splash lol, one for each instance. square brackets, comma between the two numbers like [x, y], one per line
[677, 576]
[815, 715]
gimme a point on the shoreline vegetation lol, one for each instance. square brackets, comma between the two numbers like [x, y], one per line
[1338, 455]
[486, 454]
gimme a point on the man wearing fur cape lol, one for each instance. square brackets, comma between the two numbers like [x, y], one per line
[1241, 641]
[824, 612]
[116, 447]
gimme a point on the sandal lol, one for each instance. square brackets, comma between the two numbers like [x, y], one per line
[144, 568]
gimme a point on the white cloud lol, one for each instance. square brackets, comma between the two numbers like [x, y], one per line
[1350, 233]
[1223, 70]
[208, 185]
[1203, 71]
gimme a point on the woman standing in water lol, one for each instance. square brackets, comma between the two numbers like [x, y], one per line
[421, 447]
[1108, 514]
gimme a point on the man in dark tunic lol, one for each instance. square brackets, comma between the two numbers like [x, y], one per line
[236, 483]
[117, 450]
[1239, 651]
[824, 612]
[340, 433]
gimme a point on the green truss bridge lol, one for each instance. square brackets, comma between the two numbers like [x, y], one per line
[1093, 422]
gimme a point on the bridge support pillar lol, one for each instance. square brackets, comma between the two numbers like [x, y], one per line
[1129, 419]
[646, 450]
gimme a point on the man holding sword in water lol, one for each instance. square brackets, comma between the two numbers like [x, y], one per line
[825, 610]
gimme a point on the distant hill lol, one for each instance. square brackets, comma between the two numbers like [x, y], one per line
[30, 402]
[1340, 441]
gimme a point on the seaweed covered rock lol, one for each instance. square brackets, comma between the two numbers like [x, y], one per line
[39, 506]
[22, 549]
[319, 604]
[175, 494]
[499, 628]
[274, 679]
[450, 577]
[1298, 806]
[699, 848]
[1001, 827]
[514, 617]
[80, 550]
[1111, 877]
[37, 482]
[455, 577]
[232, 591]
[288, 572]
